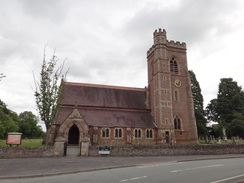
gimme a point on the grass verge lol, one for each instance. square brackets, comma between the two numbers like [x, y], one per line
[25, 143]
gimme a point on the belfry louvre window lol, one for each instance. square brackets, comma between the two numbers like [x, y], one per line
[105, 132]
[176, 96]
[118, 133]
[149, 133]
[177, 124]
[137, 133]
[173, 66]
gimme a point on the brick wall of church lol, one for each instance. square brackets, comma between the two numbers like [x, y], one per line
[99, 136]
[170, 91]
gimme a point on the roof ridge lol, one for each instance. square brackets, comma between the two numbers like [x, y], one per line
[104, 86]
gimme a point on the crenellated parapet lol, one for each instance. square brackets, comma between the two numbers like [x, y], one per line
[176, 44]
[160, 38]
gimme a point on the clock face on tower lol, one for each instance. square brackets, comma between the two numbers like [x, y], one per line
[177, 83]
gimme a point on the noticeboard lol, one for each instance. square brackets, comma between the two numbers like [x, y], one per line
[14, 138]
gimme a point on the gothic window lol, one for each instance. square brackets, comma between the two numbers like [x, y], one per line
[137, 133]
[105, 132]
[149, 133]
[173, 66]
[177, 123]
[176, 96]
[118, 133]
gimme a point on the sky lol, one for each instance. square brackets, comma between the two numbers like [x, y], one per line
[105, 42]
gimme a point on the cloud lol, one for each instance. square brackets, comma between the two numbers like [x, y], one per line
[105, 42]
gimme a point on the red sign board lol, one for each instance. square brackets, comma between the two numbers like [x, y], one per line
[14, 138]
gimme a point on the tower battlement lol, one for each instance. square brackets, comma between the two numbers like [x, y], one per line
[159, 32]
[176, 44]
[160, 38]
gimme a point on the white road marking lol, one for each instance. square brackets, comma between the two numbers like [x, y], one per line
[156, 165]
[222, 180]
[135, 178]
[194, 168]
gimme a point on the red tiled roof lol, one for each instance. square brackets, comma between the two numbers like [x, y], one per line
[110, 106]
[110, 118]
[103, 96]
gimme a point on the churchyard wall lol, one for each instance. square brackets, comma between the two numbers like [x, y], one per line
[26, 152]
[171, 150]
[137, 150]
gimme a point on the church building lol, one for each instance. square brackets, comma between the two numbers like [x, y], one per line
[162, 113]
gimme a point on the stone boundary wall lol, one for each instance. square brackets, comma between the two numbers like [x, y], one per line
[156, 150]
[171, 150]
[7, 152]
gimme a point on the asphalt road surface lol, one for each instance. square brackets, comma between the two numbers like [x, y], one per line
[204, 171]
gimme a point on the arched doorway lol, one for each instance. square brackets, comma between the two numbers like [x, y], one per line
[74, 135]
[167, 137]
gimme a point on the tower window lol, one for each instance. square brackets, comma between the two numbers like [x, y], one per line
[137, 133]
[118, 132]
[176, 96]
[105, 132]
[177, 125]
[173, 66]
[149, 133]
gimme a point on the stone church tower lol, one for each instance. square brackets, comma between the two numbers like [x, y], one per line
[169, 91]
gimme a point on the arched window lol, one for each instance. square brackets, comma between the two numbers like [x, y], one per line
[118, 133]
[137, 133]
[176, 96]
[177, 123]
[173, 66]
[105, 132]
[149, 133]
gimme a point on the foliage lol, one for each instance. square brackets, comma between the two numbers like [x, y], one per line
[198, 105]
[230, 100]
[25, 123]
[228, 108]
[211, 112]
[216, 131]
[48, 92]
[28, 125]
[236, 127]
[8, 120]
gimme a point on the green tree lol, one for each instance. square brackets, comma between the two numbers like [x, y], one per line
[228, 108]
[198, 105]
[211, 112]
[48, 90]
[8, 120]
[230, 100]
[28, 125]
[236, 127]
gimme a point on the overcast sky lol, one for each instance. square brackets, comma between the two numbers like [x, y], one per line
[105, 41]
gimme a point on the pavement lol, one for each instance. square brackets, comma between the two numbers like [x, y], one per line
[40, 167]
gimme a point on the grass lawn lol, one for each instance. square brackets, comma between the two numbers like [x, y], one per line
[202, 142]
[25, 143]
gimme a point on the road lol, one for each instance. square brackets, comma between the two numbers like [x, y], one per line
[204, 171]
